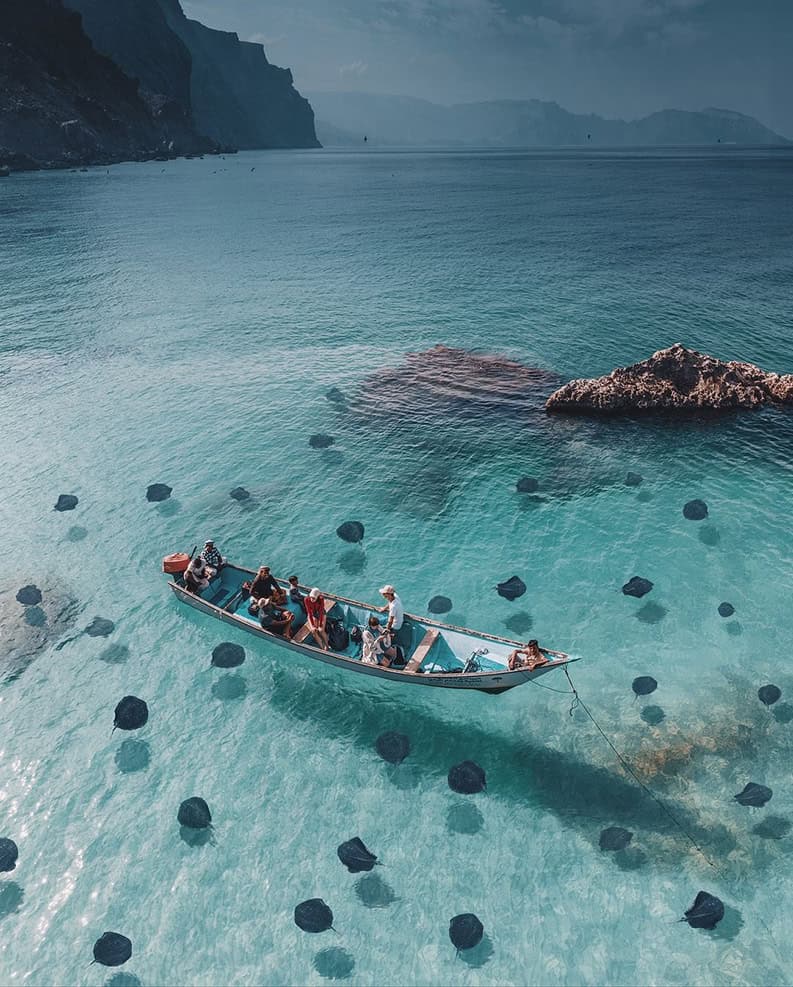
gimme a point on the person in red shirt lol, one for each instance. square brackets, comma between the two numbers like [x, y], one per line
[316, 617]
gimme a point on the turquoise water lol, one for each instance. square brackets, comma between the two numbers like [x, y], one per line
[182, 323]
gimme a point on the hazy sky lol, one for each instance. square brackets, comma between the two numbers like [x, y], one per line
[616, 57]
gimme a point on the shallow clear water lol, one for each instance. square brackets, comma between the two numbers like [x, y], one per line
[182, 323]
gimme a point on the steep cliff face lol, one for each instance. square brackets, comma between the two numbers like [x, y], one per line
[60, 101]
[237, 97]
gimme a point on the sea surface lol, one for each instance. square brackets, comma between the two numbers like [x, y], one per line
[182, 323]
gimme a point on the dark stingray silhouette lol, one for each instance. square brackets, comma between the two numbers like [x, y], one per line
[439, 604]
[29, 596]
[726, 609]
[335, 396]
[350, 531]
[112, 949]
[769, 694]
[393, 747]
[157, 492]
[511, 588]
[239, 493]
[334, 963]
[100, 627]
[695, 510]
[644, 685]
[633, 480]
[754, 795]
[637, 586]
[465, 931]
[9, 853]
[467, 778]
[615, 838]
[228, 655]
[131, 713]
[313, 916]
[527, 484]
[194, 813]
[355, 856]
[66, 502]
[706, 912]
[320, 441]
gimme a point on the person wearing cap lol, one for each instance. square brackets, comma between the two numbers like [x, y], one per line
[395, 625]
[316, 617]
[212, 557]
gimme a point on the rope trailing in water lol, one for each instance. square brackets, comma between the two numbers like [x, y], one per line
[578, 701]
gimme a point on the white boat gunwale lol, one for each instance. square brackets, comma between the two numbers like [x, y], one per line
[490, 680]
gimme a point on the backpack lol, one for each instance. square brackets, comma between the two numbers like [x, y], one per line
[357, 634]
[338, 635]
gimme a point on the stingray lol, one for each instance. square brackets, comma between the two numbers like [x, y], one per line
[100, 627]
[112, 949]
[527, 484]
[519, 622]
[335, 396]
[351, 531]
[614, 838]
[355, 856]
[9, 852]
[228, 655]
[726, 610]
[313, 916]
[393, 747]
[769, 694]
[653, 715]
[512, 588]
[439, 604]
[156, 492]
[695, 510]
[465, 931]
[633, 480]
[637, 586]
[194, 814]
[644, 685]
[754, 795]
[334, 963]
[320, 441]
[467, 778]
[706, 912]
[66, 502]
[131, 714]
[29, 596]
[239, 493]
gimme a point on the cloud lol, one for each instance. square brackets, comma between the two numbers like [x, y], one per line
[357, 68]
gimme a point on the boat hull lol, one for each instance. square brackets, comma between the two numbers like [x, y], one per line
[493, 682]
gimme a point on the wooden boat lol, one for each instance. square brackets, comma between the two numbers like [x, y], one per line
[438, 654]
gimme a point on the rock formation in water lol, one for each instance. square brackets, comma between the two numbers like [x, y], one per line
[207, 79]
[675, 380]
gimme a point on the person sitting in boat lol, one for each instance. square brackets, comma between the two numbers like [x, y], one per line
[279, 597]
[530, 656]
[273, 618]
[316, 617]
[396, 615]
[197, 575]
[377, 646]
[295, 596]
[212, 557]
[262, 586]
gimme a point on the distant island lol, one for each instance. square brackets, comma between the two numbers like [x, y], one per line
[345, 118]
[92, 82]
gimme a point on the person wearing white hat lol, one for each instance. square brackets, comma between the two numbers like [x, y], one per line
[396, 614]
[316, 617]
[212, 557]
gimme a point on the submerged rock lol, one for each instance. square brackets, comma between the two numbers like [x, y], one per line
[637, 586]
[350, 531]
[674, 379]
[157, 492]
[66, 502]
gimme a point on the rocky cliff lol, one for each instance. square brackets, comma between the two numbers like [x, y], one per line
[61, 102]
[678, 380]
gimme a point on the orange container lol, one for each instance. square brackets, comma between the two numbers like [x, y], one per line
[177, 562]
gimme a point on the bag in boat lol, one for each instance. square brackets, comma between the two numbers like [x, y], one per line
[357, 634]
[338, 635]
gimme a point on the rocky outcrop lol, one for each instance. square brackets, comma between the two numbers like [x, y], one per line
[675, 380]
[61, 102]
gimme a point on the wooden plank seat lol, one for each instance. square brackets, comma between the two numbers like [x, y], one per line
[421, 652]
[305, 630]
